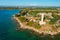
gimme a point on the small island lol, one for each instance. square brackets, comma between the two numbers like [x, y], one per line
[40, 20]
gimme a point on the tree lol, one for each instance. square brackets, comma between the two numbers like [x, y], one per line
[24, 12]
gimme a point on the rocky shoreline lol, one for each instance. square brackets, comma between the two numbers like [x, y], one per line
[32, 28]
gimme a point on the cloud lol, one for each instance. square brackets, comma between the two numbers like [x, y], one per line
[33, 4]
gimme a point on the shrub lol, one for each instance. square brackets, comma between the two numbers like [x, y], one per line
[30, 23]
[17, 15]
[22, 19]
[37, 26]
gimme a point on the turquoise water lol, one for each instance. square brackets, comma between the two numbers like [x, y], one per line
[8, 29]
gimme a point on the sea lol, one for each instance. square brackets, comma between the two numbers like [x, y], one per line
[9, 31]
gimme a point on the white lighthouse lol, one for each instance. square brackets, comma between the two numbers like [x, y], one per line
[42, 18]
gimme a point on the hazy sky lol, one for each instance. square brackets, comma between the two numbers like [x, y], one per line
[29, 2]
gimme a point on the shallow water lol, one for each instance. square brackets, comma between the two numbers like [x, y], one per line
[8, 29]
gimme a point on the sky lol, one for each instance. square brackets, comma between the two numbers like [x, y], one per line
[30, 3]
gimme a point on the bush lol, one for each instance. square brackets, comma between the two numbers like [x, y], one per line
[37, 26]
[30, 23]
[17, 15]
[22, 19]
[54, 20]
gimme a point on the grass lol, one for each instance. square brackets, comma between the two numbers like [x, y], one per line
[33, 24]
[30, 23]
[22, 19]
[37, 26]
[33, 13]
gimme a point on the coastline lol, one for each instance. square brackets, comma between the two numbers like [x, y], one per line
[32, 28]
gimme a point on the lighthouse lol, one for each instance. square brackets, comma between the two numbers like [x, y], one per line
[42, 19]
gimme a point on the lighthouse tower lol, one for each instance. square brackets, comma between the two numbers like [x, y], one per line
[42, 18]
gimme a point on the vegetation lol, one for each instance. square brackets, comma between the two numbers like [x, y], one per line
[34, 12]
[22, 19]
[17, 15]
[24, 12]
[54, 19]
[37, 26]
[33, 24]
[30, 23]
